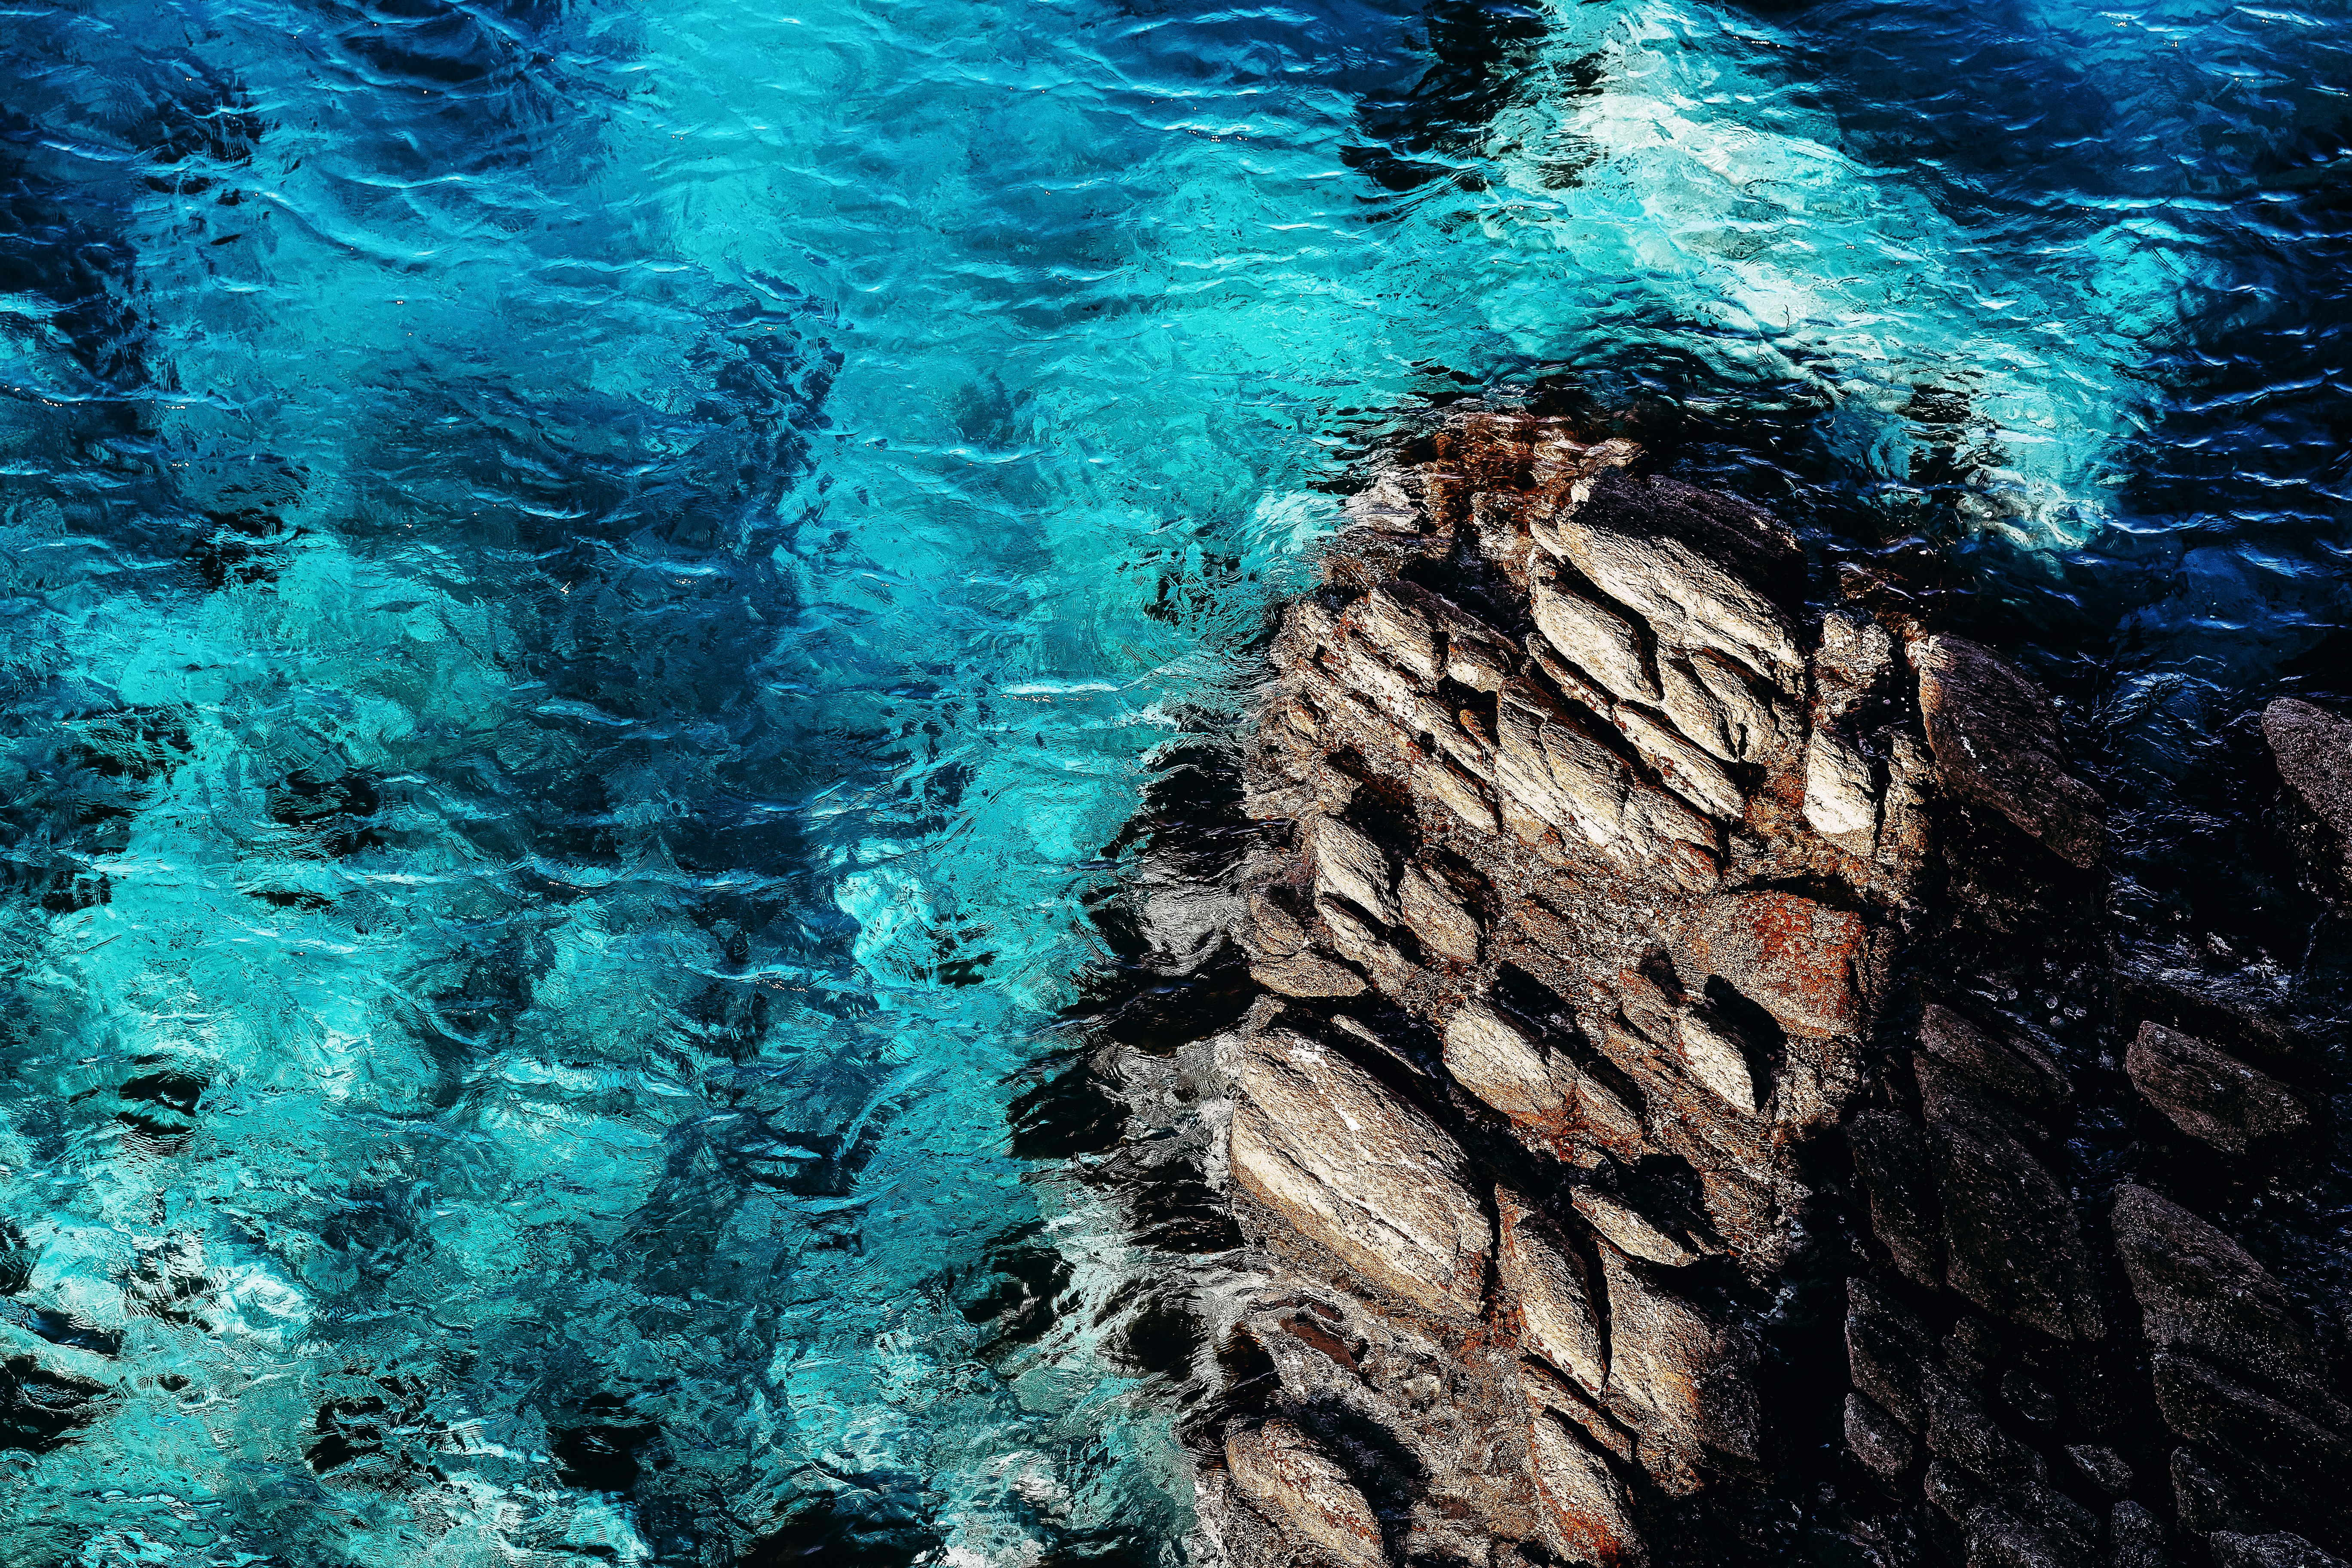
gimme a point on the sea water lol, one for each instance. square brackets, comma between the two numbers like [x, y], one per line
[587, 586]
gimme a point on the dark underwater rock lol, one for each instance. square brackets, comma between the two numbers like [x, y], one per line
[2313, 751]
[2217, 1099]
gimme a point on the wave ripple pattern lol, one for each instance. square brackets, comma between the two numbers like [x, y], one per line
[586, 584]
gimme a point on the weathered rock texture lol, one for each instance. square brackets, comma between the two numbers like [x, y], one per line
[1626, 928]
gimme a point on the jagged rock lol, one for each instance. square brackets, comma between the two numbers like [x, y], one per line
[1436, 914]
[1596, 640]
[1543, 1387]
[1304, 974]
[1283, 1471]
[1717, 1061]
[2011, 1244]
[1400, 632]
[1890, 1154]
[1702, 570]
[2215, 1098]
[1352, 865]
[1589, 1504]
[1540, 1272]
[2203, 1498]
[1683, 1379]
[1359, 1172]
[2015, 1069]
[1961, 1429]
[1995, 738]
[2313, 749]
[2200, 1291]
[2026, 1526]
[2297, 1466]
[1801, 961]
[1500, 1063]
[1887, 1351]
[1629, 1229]
[2105, 1469]
[1841, 795]
[2278, 1551]
[1877, 1439]
[2135, 1538]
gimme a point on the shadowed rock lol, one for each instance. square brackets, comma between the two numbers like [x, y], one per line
[2215, 1098]
[1995, 737]
[2313, 750]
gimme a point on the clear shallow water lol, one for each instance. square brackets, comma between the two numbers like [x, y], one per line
[586, 586]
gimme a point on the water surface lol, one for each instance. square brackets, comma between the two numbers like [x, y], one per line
[588, 583]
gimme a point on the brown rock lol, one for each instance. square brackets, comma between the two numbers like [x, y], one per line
[1996, 740]
[1359, 1172]
[1504, 1066]
[1401, 632]
[1295, 1482]
[2011, 1244]
[1588, 1503]
[1435, 913]
[2313, 749]
[1702, 569]
[1353, 866]
[1800, 960]
[1631, 1231]
[2200, 1291]
[1681, 1379]
[1306, 974]
[1597, 641]
[1543, 1276]
[2214, 1096]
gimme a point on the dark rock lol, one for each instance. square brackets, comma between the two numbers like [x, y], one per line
[2313, 749]
[2105, 1469]
[2216, 1098]
[1961, 1429]
[2201, 1496]
[2015, 1069]
[2030, 1399]
[1877, 1439]
[2013, 1246]
[2026, 1526]
[2135, 1538]
[1890, 1154]
[1995, 738]
[2291, 1463]
[1886, 1349]
[2279, 1551]
[2201, 1291]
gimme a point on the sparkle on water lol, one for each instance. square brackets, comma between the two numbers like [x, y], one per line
[586, 583]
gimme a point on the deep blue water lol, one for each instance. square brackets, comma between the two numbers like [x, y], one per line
[585, 585]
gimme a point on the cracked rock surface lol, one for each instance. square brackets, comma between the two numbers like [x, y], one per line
[1685, 1102]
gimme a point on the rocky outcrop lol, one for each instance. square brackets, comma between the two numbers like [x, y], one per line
[1595, 848]
[1662, 960]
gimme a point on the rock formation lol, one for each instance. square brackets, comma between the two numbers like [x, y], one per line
[1634, 942]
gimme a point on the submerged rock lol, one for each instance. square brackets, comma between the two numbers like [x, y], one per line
[2313, 751]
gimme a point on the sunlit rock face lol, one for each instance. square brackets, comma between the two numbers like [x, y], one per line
[1623, 1127]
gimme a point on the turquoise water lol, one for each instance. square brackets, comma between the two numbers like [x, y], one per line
[586, 586]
